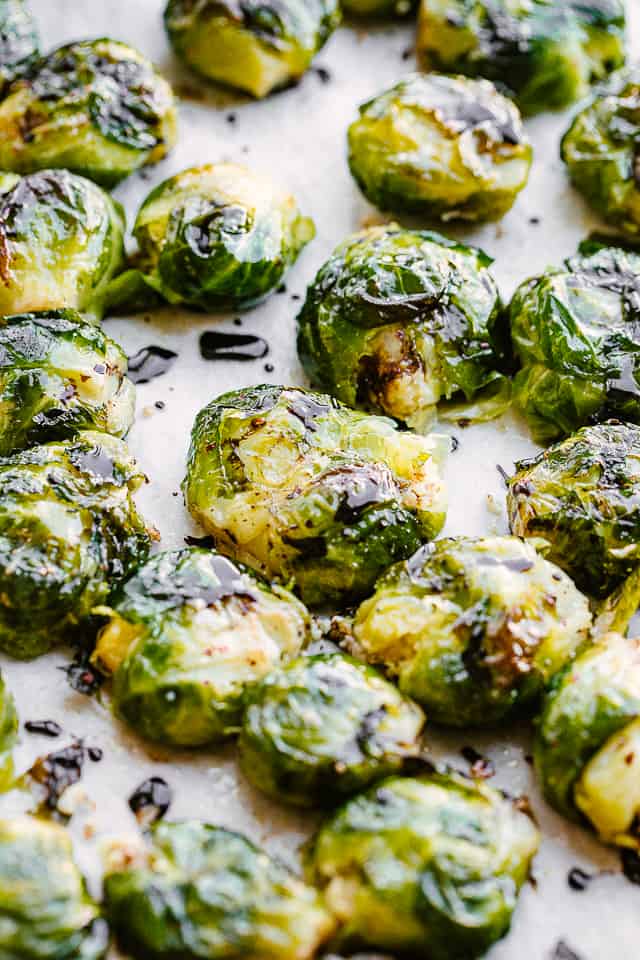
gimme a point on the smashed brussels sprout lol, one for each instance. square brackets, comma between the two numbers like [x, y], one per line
[324, 727]
[473, 628]
[188, 636]
[545, 53]
[202, 891]
[303, 488]
[398, 320]
[18, 41]
[212, 237]
[445, 147]
[61, 242]
[587, 748]
[45, 910]
[69, 531]
[254, 46]
[576, 332]
[600, 149]
[60, 374]
[8, 735]
[429, 866]
[582, 497]
[98, 108]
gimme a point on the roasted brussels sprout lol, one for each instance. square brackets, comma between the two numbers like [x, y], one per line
[256, 47]
[212, 237]
[69, 531]
[45, 910]
[379, 8]
[323, 727]
[18, 41]
[446, 147]
[398, 320]
[428, 866]
[59, 374]
[582, 496]
[8, 735]
[187, 637]
[301, 487]
[601, 152]
[576, 332]
[97, 107]
[587, 749]
[203, 891]
[473, 628]
[61, 242]
[544, 53]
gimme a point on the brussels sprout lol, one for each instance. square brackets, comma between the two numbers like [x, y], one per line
[431, 866]
[212, 237]
[379, 8]
[255, 46]
[445, 147]
[301, 487]
[587, 748]
[323, 727]
[18, 41]
[576, 331]
[546, 54]
[601, 150]
[61, 242]
[202, 891]
[188, 636]
[59, 374]
[45, 910]
[8, 735]
[473, 628]
[582, 496]
[398, 320]
[98, 108]
[69, 531]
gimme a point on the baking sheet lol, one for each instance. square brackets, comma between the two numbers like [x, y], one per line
[299, 138]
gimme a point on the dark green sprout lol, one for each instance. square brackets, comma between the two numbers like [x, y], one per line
[442, 147]
[324, 727]
[379, 8]
[60, 374]
[188, 636]
[61, 242]
[19, 41]
[398, 321]
[97, 107]
[299, 486]
[473, 629]
[602, 153]
[69, 532]
[45, 910]
[576, 332]
[212, 237]
[544, 54]
[587, 748]
[430, 867]
[582, 497]
[257, 45]
[201, 891]
[8, 735]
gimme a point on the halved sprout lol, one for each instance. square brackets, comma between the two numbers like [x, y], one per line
[300, 487]
[430, 867]
[323, 727]
[201, 891]
[188, 636]
[257, 47]
[212, 237]
[399, 321]
[97, 107]
[473, 629]
[443, 147]
[545, 54]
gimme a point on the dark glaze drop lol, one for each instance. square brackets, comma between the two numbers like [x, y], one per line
[564, 952]
[218, 345]
[58, 771]
[95, 754]
[358, 488]
[306, 409]
[481, 767]
[149, 363]
[207, 543]
[231, 583]
[150, 801]
[43, 728]
[579, 879]
[630, 861]
[81, 675]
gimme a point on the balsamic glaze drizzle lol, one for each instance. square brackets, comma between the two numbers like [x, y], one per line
[221, 345]
[149, 363]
